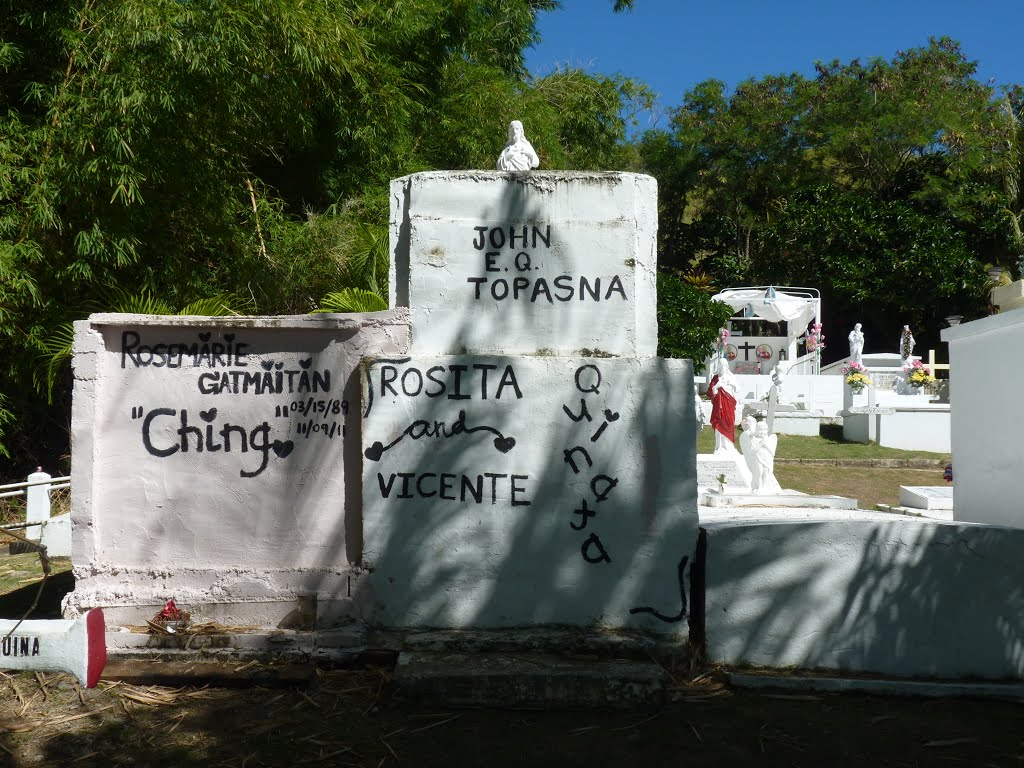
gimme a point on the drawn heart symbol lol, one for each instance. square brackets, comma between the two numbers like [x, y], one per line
[374, 452]
[504, 444]
[279, 366]
[267, 364]
[229, 337]
[209, 415]
[306, 363]
[610, 416]
[282, 449]
[204, 336]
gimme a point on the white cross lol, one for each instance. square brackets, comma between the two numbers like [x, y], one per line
[773, 401]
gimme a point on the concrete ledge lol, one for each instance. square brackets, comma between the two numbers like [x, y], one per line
[930, 514]
[532, 681]
[878, 463]
[336, 645]
[927, 497]
[879, 686]
[792, 499]
[318, 320]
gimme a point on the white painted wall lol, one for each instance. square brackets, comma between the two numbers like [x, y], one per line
[986, 371]
[823, 393]
[168, 500]
[910, 597]
[523, 553]
[470, 290]
[925, 428]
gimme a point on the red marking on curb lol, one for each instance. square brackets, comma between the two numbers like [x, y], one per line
[96, 646]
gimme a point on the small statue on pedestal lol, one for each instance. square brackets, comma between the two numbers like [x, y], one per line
[749, 425]
[906, 344]
[763, 471]
[778, 377]
[723, 391]
[518, 154]
[857, 345]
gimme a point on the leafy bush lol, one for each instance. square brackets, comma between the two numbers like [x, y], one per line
[688, 320]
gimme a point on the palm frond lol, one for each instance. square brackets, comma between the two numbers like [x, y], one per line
[218, 306]
[54, 354]
[352, 300]
[366, 260]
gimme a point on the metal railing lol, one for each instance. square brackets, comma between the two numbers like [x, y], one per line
[36, 489]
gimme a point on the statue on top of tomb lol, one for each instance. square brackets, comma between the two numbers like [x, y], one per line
[749, 425]
[857, 345]
[764, 445]
[778, 377]
[518, 154]
[723, 390]
[906, 344]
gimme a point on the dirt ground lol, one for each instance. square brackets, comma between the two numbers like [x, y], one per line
[351, 718]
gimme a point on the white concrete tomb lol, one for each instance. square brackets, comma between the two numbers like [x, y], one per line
[985, 375]
[209, 462]
[517, 491]
[541, 262]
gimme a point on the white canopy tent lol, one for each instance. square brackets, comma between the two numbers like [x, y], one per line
[797, 307]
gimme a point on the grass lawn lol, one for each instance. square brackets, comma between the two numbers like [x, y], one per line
[830, 445]
[869, 485]
[18, 570]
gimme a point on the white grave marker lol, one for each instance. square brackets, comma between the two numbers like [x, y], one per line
[62, 645]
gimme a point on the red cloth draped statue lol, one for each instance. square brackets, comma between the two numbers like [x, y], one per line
[723, 406]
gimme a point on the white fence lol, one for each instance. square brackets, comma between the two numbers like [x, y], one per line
[54, 532]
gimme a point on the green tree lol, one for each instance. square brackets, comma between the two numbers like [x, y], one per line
[688, 320]
[882, 180]
[182, 150]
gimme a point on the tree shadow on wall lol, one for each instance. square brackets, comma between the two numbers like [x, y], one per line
[552, 489]
[911, 597]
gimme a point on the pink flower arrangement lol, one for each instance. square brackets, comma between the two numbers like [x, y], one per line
[853, 367]
[918, 374]
[815, 338]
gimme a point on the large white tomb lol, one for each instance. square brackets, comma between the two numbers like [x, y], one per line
[524, 263]
[988, 462]
[515, 491]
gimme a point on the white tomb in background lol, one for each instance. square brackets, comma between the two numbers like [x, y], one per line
[988, 460]
[769, 327]
[885, 413]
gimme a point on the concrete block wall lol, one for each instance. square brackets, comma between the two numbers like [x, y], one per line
[908, 598]
[984, 382]
[546, 261]
[547, 492]
[214, 460]
[255, 468]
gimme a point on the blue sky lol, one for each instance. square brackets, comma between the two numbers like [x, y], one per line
[674, 44]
